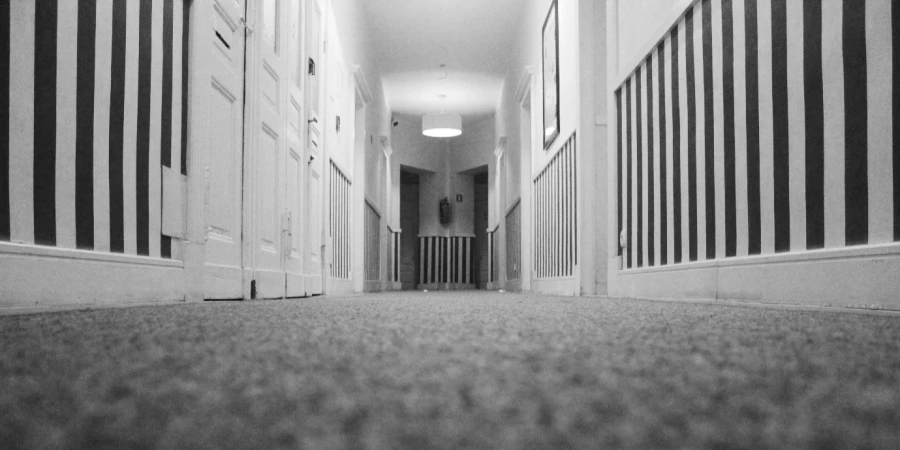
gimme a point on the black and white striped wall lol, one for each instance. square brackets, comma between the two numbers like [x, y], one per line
[339, 222]
[92, 96]
[446, 260]
[761, 127]
[556, 215]
[514, 241]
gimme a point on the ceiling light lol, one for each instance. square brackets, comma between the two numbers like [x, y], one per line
[442, 124]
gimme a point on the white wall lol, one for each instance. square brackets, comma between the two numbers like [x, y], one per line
[582, 102]
[637, 23]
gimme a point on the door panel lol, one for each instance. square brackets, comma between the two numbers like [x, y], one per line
[314, 154]
[295, 166]
[268, 170]
[225, 40]
[268, 148]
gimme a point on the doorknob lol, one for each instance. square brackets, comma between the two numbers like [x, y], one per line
[313, 120]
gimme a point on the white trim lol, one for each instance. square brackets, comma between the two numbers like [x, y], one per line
[56, 277]
[345, 173]
[524, 86]
[368, 200]
[361, 84]
[870, 283]
[513, 205]
[38, 251]
[501, 145]
[386, 146]
[848, 253]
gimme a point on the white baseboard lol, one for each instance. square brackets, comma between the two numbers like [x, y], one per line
[35, 276]
[857, 277]
[555, 286]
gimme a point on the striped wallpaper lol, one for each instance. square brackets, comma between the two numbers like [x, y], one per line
[759, 127]
[340, 193]
[446, 259]
[92, 96]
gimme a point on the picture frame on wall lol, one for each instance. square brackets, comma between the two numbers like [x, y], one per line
[550, 75]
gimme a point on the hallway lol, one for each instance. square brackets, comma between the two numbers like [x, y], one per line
[450, 370]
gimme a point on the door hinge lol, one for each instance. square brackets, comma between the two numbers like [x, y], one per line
[249, 28]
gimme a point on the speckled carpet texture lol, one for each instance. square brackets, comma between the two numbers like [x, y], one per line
[449, 370]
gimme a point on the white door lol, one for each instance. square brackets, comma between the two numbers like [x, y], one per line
[221, 34]
[314, 154]
[295, 166]
[268, 145]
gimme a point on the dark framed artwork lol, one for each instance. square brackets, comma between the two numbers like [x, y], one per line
[550, 75]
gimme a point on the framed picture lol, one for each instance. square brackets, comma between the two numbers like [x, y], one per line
[550, 71]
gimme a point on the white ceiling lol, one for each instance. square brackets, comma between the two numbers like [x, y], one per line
[412, 38]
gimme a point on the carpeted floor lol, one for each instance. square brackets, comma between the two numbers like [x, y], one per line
[443, 370]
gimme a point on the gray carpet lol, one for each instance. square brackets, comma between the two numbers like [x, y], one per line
[441, 370]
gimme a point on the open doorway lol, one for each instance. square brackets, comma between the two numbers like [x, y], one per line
[409, 224]
[480, 255]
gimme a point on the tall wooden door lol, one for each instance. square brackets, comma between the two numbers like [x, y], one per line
[295, 167]
[314, 152]
[222, 37]
[268, 147]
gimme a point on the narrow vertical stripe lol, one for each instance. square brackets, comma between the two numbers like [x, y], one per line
[676, 148]
[752, 111]
[640, 167]
[142, 173]
[880, 140]
[833, 123]
[740, 125]
[84, 140]
[692, 135]
[4, 119]
[709, 133]
[619, 162]
[856, 123]
[895, 115]
[728, 128]
[21, 121]
[781, 130]
[117, 129]
[66, 155]
[628, 222]
[651, 187]
[663, 151]
[45, 55]
[154, 166]
[766, 128]
[796, 126]
[668, 183]
[815, 122]
[718, 103]
[165, 150]
[465, 260]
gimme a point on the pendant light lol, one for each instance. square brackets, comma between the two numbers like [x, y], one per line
[442, 124]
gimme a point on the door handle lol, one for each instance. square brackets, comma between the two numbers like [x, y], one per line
[313, 120]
